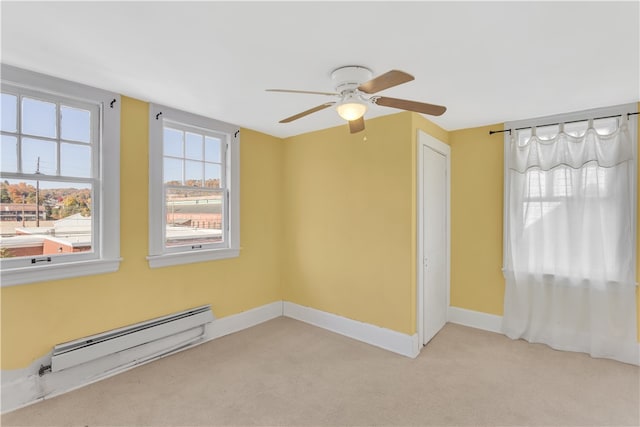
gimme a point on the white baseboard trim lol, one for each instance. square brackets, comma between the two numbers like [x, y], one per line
[475, 319]
[23, 387]
[237, 322]
[397, 342]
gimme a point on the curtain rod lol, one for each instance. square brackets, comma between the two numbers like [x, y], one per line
[491, 132]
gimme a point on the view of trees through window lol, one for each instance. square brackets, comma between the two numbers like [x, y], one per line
[44, 217]
[56, 203]
[47, 168]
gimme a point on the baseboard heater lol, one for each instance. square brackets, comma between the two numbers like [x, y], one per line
[73, 353]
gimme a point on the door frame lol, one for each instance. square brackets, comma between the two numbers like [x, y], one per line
[425, 140]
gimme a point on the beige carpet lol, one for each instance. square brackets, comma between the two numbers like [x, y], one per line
[285, 372]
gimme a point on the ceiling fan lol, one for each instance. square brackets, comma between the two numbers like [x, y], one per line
[352, 84]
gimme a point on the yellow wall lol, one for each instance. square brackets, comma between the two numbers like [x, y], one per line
[476, 219]
[35, 317]
[348, 234]
[350, 220]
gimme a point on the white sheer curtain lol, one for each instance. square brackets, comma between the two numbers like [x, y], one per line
[569, 240]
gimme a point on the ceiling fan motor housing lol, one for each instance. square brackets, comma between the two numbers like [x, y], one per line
[347, 79]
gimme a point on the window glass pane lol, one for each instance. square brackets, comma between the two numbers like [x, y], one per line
[173, 142]
[562, 181]
[193, 173]
[64, 211]
[212, 149]
[9, 154]
[172, 171]
[38, 118]
[536, 184]
[212, 175]
[75, 160]
[533, 212]
[75, 124]
[9, 112]
[193, 217]
[594, 180]
[193, 149]
[38, 156]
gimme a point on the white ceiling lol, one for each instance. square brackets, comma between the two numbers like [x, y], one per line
[488, 62]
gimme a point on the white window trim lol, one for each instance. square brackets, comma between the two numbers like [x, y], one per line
[632, 123]
[158, 257]
[107, 250]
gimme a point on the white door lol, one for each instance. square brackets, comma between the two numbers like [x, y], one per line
[434, 241]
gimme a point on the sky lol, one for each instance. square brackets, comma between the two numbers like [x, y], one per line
[61, 139]
[41, 151]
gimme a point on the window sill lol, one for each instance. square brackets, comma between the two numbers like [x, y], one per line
[25, 275]
[167, 260]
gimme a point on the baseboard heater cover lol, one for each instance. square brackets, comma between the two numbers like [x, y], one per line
[93, 347]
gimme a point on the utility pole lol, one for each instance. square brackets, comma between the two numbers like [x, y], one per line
[38, 194]
[24, 200]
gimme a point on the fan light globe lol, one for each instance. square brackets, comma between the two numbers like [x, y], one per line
[351, 110]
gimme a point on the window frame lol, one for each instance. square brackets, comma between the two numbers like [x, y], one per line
[105, 178]
[159, 254]
[623, 111]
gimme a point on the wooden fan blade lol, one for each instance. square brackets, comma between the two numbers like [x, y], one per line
[306, 113]
[356, 125]
[385, 81]
[303, 91]
[403, 104]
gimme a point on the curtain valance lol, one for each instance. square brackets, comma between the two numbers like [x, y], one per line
[572, 151]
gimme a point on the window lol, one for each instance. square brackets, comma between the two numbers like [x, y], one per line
[564, 182]
[194, 188]
[570, 232]
[60, 151]
[548, 193]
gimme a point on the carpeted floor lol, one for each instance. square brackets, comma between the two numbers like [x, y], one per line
[285, 372]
